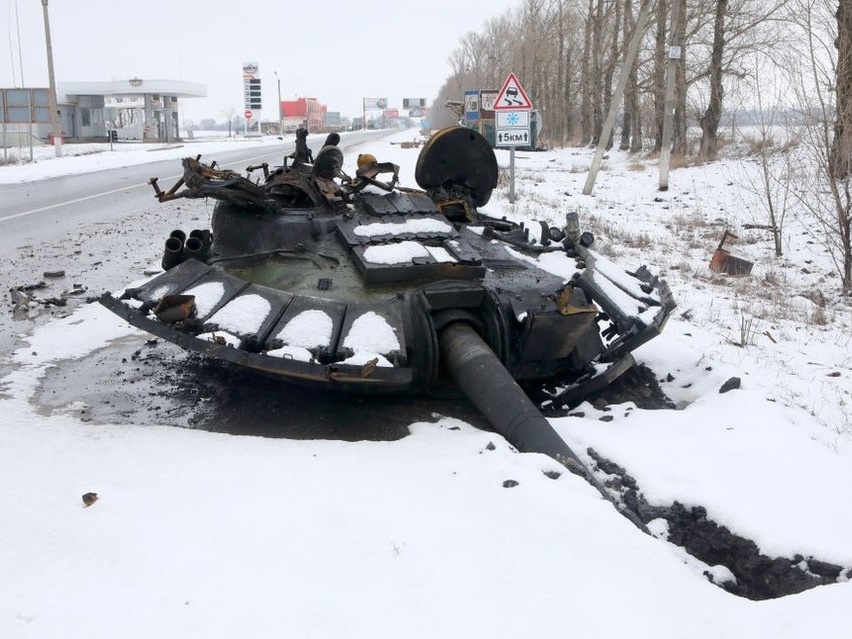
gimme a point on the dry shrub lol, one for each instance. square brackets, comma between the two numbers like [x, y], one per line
[689, 221]
[820, 317]
[678, 162]
[753, 145]
[773, 279]
[636, 240]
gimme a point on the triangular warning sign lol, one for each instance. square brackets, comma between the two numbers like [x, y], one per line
[512, 96]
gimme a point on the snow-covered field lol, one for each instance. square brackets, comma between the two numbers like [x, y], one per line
[198, 534]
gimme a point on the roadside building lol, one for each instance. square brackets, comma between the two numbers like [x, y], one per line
[302, 112]
[136, 109]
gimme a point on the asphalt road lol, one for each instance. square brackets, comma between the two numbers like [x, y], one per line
[44, 209]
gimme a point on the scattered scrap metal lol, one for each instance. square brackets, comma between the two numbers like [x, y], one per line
[24, 298]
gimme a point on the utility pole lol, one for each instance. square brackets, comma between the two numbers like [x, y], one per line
[52, 105]
[675, 55]
[280, 111]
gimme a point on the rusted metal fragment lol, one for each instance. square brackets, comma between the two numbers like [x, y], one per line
[175, 308]
[723, 262]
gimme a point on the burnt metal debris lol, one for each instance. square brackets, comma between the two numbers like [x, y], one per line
[459, 295]
[723, 262]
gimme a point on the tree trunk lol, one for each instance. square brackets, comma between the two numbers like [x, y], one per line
[631, 130]
[710, 118]
[636, 125]
[679, 141]
[586, 80]
[569, 100]
[841, 152]
[596, 71]
[629, 88]
[659, 77]
[561, 94]
[614, 55]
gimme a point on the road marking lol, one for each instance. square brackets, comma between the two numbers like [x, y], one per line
[67, 202]
[97, 195]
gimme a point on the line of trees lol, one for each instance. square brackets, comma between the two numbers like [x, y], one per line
[569, 54]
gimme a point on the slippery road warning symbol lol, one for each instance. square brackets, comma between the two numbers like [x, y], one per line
[512, 95]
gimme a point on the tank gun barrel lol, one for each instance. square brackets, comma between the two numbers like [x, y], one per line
[483, 379]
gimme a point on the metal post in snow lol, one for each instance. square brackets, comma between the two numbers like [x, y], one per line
[280, 111]
[30, 124]
[632, 50]
[511, 175]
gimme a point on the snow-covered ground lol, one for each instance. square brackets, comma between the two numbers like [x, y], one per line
[198, 534]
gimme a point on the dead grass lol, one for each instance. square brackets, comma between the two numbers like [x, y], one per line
[680, 162]
[690, 220]
[820, 317]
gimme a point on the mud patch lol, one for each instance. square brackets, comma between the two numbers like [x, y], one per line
[755, 576]
[638, 384]
[146, 382]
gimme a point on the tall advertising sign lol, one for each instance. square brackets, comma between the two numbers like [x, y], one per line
[251, 89]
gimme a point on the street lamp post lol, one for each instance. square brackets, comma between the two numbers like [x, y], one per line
[280, 112]
[52, 105]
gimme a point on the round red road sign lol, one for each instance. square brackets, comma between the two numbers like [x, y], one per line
[248, 114]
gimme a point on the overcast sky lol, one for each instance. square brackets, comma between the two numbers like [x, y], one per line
[338, 51]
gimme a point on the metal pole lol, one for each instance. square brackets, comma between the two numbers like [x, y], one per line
[30, 118]
[668, 115]
[511, 175]
[52, 105]
[280, 112]
[632, 49]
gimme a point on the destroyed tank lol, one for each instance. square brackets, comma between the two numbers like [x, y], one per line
[362, 285]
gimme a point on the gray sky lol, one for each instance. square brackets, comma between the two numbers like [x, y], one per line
[338, 51]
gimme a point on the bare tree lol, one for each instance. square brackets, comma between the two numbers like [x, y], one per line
[740, 29]
[711, 116]
[564, 103]
[774, 185]
[826, 195]
[841, 152]
[585, 78]
[842, 146]
[230, 113]
[632, 122]
[659, 72]
[614, 56]
[679, 141]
